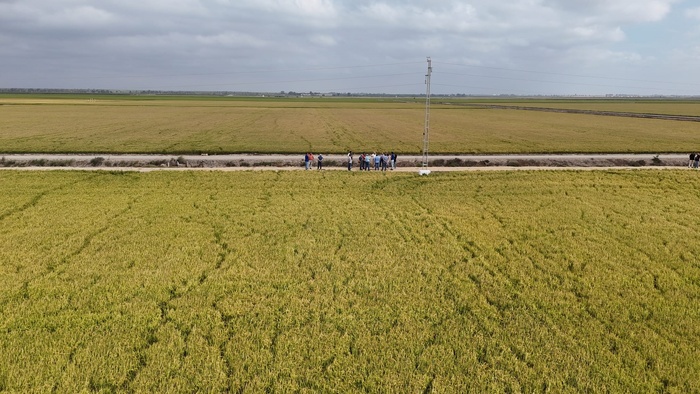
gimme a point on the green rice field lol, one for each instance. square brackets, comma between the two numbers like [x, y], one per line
[521, 281]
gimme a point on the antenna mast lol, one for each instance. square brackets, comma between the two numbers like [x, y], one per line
[426, 131]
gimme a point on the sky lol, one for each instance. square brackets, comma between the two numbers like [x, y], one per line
[477, 47]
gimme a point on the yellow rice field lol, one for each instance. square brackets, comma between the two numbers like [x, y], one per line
[233, 125]
[349, 282]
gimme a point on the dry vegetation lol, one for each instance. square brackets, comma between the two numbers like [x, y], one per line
[349, 282]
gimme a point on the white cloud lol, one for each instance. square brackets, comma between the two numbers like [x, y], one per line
[59, 15]
[454, 16]
[597, 33]
[688, 56]
[81, 16]
[614, 11]
[160, 8]
[323, 40]
[637, 10]
[597, 57]
[521, 34]
[303, 8]
[693, 13]
[559, 22]
[231, 40]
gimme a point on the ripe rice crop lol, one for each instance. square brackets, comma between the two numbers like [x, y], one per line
[116, 124]
[689, 107]
[334, 281]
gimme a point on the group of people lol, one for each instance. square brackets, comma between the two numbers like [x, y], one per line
[694, 160]
[381, 161]
[309, 159]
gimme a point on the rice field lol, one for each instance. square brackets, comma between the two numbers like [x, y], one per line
[182, 125]
[672, 106]
[553, 281]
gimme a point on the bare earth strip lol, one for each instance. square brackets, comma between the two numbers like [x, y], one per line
[290, 162]
[279, 162]
[402, 170]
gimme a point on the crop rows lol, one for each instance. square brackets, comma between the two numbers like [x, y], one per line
[330, 126]
[349, 282]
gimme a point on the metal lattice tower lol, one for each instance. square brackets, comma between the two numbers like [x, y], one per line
[426, 131]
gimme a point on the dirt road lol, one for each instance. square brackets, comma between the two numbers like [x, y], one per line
[335, 161]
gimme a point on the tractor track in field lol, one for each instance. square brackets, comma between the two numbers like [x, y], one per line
[642, 115]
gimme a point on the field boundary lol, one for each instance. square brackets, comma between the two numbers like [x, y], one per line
[683, 118]
[334, 161]
[398, 170]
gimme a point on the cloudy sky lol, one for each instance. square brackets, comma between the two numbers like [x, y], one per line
[477, 46]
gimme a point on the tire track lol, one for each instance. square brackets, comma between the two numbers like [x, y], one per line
[34, 201]
[684, 118]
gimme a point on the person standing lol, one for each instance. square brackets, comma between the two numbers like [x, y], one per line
[350, 161]
[367, 159]
[385, 161]
[697, 160]
[362, 161]
[393, 161]
[307, 156]
[320, 161]
[692, 159]
[377, 158]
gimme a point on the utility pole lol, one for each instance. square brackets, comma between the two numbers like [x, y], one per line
[424, 170]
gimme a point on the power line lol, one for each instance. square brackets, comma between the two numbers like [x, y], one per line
[295, 81]
[287, 81]
[361, 88]
[224, 85]
[561, 82]
[471, 88]
[259, 71]
[567, 75]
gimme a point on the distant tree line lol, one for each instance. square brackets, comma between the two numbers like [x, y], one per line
[196, 93]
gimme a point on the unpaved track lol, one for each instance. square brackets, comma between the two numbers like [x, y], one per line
[398, 170]
[300, 157]
[279, 162]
